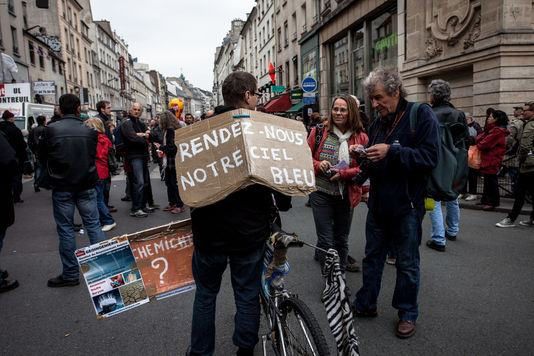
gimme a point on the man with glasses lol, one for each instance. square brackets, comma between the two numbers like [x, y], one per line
[232, 231]
[525, 182]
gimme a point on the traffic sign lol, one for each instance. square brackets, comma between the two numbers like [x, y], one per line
[309, 84]
[309, 101]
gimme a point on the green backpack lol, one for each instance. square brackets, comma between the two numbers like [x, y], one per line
[449, 177]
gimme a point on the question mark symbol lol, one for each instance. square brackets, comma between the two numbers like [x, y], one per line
[156, 263]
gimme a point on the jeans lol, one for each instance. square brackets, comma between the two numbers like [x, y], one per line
[404, 235]
[452, 220]
[245, 270]
[172, 187]
[490, 195]
[63, 204]
[333, 217]
[103, 212]
[139, 179]
[38, 173]
[525, 184]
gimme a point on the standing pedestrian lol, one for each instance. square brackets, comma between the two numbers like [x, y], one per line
[34, 138]
[16, 140]
[68, 151]
[336, 196]
[399, 160]
[492, 146]
[525, 183]
[446, 113]
[472, 178]
[168, 125]
[102, 167]
[104, 114]
[8, 169]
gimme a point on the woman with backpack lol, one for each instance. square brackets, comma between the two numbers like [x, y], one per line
[102, 167]
[336, 195]
[492, 146]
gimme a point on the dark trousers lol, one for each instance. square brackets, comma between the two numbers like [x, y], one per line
[403, 234]
[472, 181]
[16, 184]
[525, 184]
[490, 194]
[139, 180]
[38, 173]
[245, 271]
[333, 216]
[106, 184]
[172, 187]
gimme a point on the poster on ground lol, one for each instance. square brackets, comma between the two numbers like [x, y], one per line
[233, 150]
[163, 255]
[114, 281]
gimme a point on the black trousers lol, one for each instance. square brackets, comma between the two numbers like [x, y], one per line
[490, 195]
[525, 184]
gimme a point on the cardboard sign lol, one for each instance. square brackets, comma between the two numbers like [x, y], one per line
[163, 255]
[231, 151]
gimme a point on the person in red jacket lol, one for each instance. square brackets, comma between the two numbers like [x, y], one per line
[102, 150]
[492, 146]
[336, 195]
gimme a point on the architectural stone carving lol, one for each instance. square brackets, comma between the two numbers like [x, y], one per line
[473, 35]
[448, 20]
[433, 48]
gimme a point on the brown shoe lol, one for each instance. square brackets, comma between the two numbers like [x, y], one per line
[177, 210]
[169, 207]
[405, 329]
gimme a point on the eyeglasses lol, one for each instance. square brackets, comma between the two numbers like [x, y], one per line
[341, 110]
[258, 94]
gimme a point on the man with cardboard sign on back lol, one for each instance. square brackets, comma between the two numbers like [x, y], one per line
[233, 229]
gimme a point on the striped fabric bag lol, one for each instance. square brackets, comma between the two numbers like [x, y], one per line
[338, 309]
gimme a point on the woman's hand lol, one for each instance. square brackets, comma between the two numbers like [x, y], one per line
[324, 166]
[335, 177]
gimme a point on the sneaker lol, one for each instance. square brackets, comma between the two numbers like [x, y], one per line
[36, 189]
[450, 237]
[126, 198]
[529, 223]
[471, 197]
[433, 245]
[7, 285]
[109, 227]
[149, 210]
[138, 214]
[506, 222]
[153, 206]
[59, 281]
[391, 261]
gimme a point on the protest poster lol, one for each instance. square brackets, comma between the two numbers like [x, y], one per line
[228, 152]
[163, 255]
[115, 283]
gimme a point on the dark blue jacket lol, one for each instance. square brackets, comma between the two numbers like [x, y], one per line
[398, 181]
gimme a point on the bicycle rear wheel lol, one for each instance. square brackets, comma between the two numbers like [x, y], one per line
[301, 333]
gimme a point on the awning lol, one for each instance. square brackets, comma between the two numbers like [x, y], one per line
[280, 103]
[297, 107]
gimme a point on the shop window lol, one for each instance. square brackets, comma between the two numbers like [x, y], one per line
[309, 64]
[358, 63]
[340, 61]
[31, 49]
[384, 41]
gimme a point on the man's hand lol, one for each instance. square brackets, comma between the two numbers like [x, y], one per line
[377, 152]
[324, 166]
[335, 177]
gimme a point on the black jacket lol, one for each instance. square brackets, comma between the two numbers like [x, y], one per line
[105, 120]
[398, 181]
[8, 168]
[136, 147]
[35, 136]
[16, 140]
[68, 151]
[169, 148]
[241, 222]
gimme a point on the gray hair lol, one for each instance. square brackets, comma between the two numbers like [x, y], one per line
[390, 79]
[440, 91]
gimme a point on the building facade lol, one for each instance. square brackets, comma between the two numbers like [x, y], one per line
[106, 49]
[13, 21]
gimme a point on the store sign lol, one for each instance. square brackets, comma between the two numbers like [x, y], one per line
[385, 43]
[122, 73]
[278, 88]
[44, 88]
[296, 94]
[15, 93]
[309, 84]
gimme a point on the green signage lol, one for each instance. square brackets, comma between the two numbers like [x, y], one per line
[296, 94]
[386, 42]
[278, 88]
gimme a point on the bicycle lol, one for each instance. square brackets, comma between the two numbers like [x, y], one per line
[293, 329]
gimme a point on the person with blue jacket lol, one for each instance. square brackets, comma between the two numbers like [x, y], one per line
[399, 159]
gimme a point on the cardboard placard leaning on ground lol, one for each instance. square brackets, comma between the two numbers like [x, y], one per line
[231, 151]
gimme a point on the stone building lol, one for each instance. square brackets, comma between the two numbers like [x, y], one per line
[13, 20]
[106, 48]
[266, 39]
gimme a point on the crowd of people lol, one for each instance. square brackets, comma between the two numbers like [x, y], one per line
[394, 154]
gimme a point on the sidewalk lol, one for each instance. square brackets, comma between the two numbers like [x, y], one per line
[505, 207]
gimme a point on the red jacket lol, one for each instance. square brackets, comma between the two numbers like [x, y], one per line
[355, 191]
[102, 150]
[492, 146]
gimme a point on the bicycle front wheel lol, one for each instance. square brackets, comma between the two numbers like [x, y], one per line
[301, 333]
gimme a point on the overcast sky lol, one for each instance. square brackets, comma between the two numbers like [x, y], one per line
[173, 35]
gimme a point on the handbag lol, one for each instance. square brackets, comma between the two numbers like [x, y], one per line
[474, 157]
